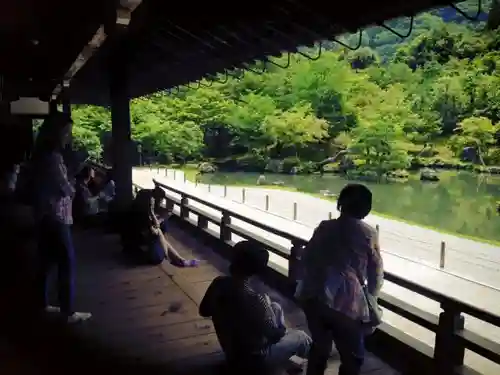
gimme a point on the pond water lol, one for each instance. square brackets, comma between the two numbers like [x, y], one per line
[461, 202]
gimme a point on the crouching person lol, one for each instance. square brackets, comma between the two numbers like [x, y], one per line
[145, 231]
[250, 328]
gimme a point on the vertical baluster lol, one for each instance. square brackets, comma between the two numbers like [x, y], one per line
[225, 230]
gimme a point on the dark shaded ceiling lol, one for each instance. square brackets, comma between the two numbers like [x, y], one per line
[167, 44]
[40, 40]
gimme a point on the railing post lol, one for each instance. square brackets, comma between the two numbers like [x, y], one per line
[225, 230]
[184, 207]
[225, 191]
[294, 211]
[169, 204]
[448, 351]
[202, 222]
[243, 195]
[174, 174]
[158, 168]
[377, 228]
[330, 215]
[294, 262]
[166, 172]
[442, 254]
[267, 202]
[209, 188]
[185, 177]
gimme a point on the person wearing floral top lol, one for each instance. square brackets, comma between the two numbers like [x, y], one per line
[53, 193]
[342, 255]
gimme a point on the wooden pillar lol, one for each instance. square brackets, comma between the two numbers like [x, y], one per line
[120, 128]
[66, 109]
[66, 105]
[52, 106]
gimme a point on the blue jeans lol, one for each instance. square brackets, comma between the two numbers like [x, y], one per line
[56, 251]
[326, 326]
[295, 342]
[155, 252]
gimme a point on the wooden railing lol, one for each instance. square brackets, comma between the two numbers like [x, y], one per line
[452, 339]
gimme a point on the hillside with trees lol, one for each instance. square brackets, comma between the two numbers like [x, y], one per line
[432, 99]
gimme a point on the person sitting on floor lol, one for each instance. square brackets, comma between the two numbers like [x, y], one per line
[87, 206]
[250, 328]
[108, 192]
[147, 225]
[85, 202]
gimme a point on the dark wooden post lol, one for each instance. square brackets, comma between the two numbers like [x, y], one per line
[225, 230]
[202, 222]
[294, 262]
[184, 207]
[66, 105]
[120, 127]
[449, 352]
[53, 106]
[66, 109]
[170, 204]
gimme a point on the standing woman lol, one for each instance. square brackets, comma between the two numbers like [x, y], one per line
[342, 277]
[53, 197]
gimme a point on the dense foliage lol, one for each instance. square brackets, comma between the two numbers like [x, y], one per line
[425, 100]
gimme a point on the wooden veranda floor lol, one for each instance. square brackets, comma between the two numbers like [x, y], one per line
[144, 321]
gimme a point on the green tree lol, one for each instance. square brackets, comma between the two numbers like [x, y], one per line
[476, 132]
[90, 125]
[247, 118]
[376, 148]
[293, 128]
[97, 119]
[162, 136]
[85, 139]
[363, 58]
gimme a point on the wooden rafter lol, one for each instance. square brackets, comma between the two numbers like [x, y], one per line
[123, 17]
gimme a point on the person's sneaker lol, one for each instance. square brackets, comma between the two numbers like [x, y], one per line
[52, 309]
[191, 263]
[188, 263]
[77, 317]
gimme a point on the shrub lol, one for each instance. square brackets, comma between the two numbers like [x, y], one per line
[289, 163]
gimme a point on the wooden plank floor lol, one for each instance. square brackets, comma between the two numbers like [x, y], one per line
[139, 313]
[145, 320]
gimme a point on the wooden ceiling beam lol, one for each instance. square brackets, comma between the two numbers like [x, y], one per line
[123, 16]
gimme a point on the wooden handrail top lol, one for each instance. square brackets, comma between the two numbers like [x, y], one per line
[236, 215]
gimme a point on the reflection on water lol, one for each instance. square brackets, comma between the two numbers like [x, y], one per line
[461, 202]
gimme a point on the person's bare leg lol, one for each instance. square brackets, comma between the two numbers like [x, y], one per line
[177, 260]
[174, 257]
